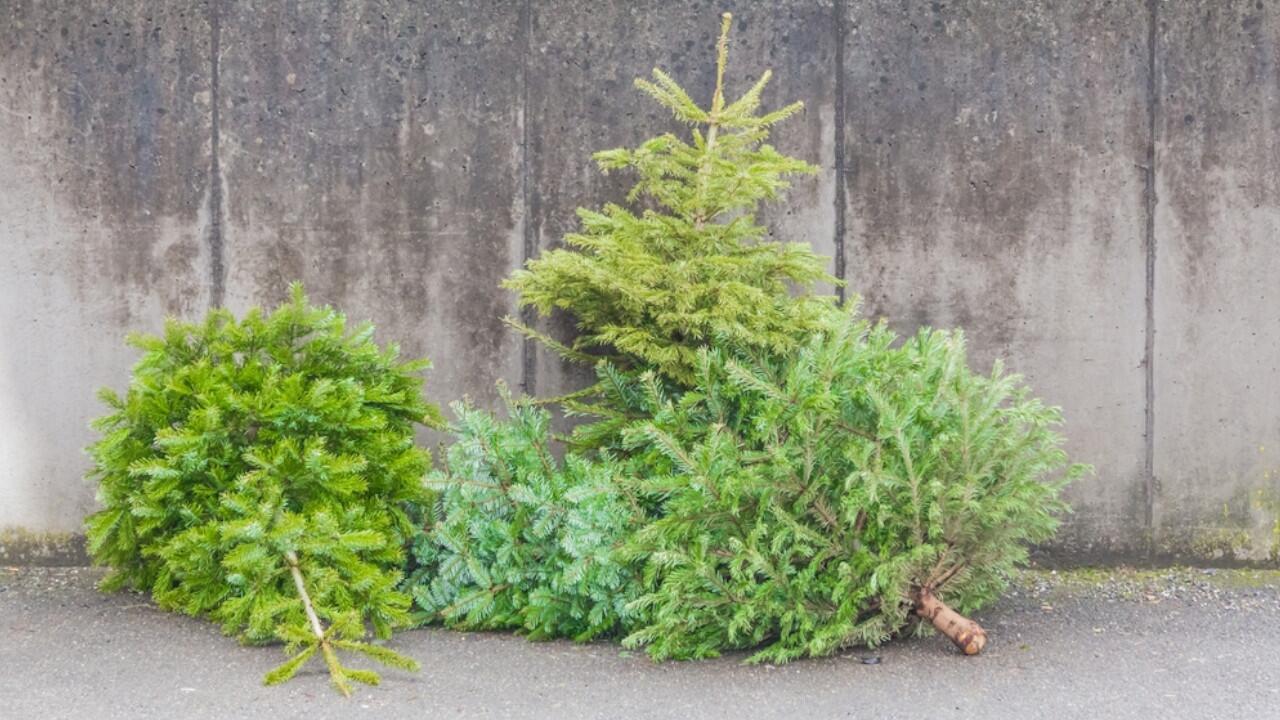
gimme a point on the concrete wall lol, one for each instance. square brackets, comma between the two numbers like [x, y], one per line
[1090, 187]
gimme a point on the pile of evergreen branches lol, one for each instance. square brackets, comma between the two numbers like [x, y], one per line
[758, 468]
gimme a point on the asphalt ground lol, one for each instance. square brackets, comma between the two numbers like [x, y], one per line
[1092, 644]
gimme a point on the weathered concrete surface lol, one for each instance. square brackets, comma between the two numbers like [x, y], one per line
[372, 149]
[993, 182]
[985, 164]
[1055, 652]
[104, 128]
[1217, 281]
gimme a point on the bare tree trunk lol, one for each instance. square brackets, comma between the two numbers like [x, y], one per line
[330, 658]
[965, 633]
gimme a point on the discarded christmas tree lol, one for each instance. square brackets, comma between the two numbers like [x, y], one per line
[800, 483]
[828, 497]
[519, 541]
[259, 472]
[690, 267]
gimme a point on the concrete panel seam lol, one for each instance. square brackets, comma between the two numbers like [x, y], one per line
[217, 265]
[1153, 99]
[528, 351]
[839, 128]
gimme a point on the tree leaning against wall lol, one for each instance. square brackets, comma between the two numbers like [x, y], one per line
[512, 532]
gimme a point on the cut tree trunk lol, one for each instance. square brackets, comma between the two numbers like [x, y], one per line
[292, 558]
[965, 633]
[317, 628]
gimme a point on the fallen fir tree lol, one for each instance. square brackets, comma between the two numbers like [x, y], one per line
[836, 495]
[784, 477]
[260, 472]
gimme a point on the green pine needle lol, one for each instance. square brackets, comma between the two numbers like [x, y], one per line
[384, 655]
[290, 667]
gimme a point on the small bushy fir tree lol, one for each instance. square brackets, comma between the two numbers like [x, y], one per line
[259, 472]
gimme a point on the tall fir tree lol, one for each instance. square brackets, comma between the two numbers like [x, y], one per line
[688, 264]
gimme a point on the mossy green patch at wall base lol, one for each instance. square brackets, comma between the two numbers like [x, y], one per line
[19, 546]
[1269, 504]
[1221, 543]
[1244, 532]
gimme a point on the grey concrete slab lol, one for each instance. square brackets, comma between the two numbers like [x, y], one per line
[581, 99]
[372, 150]
[104, 118]
[1180, 648]
[1217, 298]
[994, 183]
